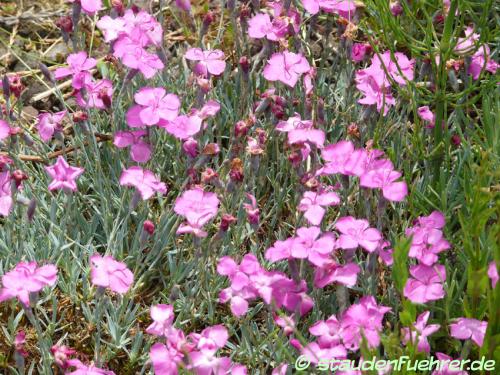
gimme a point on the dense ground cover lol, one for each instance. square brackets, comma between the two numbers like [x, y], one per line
[227, 186]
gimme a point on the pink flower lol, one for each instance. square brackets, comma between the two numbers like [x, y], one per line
[426, 114]
[280, 370]
[140, 151]
[134, 56]
[143, 180]
[312, 204]
[359, 51]
[493, 273]
[286, 67]
[357, 232]
[481, 60]
[107, 272]
[183, 127]
[313, 352]
[331, 272]
[327, 331]
[209, 109]
[427, 238]
[165, 359]
[210, 61]
[345, 8]
[336, 157]
[421, 331]
[112, 27]
[374, 83]
[252, 210]
[466, 44]
[363, 319]
[198, 207]
[445, 370]
[63, 175]
[154, 106]
[261, 26]
[286, 322]
[385, 179]
[82, 369]
[6, 200]
[163, 317]
[79, 68]
[426, 284]
[89, 6]
[61, 353]
[310, 245]
[466, 328]
[374, 93]
[48, 123]
[26, 278]
[98, 94]
[5, 130]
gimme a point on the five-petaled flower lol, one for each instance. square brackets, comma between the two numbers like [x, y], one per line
[63, 175]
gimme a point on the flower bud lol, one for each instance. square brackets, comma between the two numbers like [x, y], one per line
[148, 227]
[226, 221]
[190, 147]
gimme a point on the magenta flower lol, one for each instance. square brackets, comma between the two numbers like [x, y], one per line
[327, 331]
[165, 359]
[481, 59]
[286, 67]
[344, 8]
[445, 361]
[26, 278]
[385, 179]
[6, 200]
[154, 106]
[48, 123]
[360, 51]
[112, 28]
[426, 114]
[107, 272]
[163, 317]
[466, 45]
[466, 328]
[143, 180]
[209, 109]
[336, 157]
[63, 175]
[363, 319]
[308, 244]
[332, 272]
[421, 331]
[5, 130]
[357, 232]
[134, 56]
[492, 272]
[312, 204]
[140, 151]
[261, 26]
[374, 83]
[183, 127]
[426, 283]
[252, 210]
[81, 369]
[210, 61]
[98, 94]
[313, 352]
[198, 207]
[427, 238]
[79, 66]
[373, 92]
[90, 7]
[61, 353]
